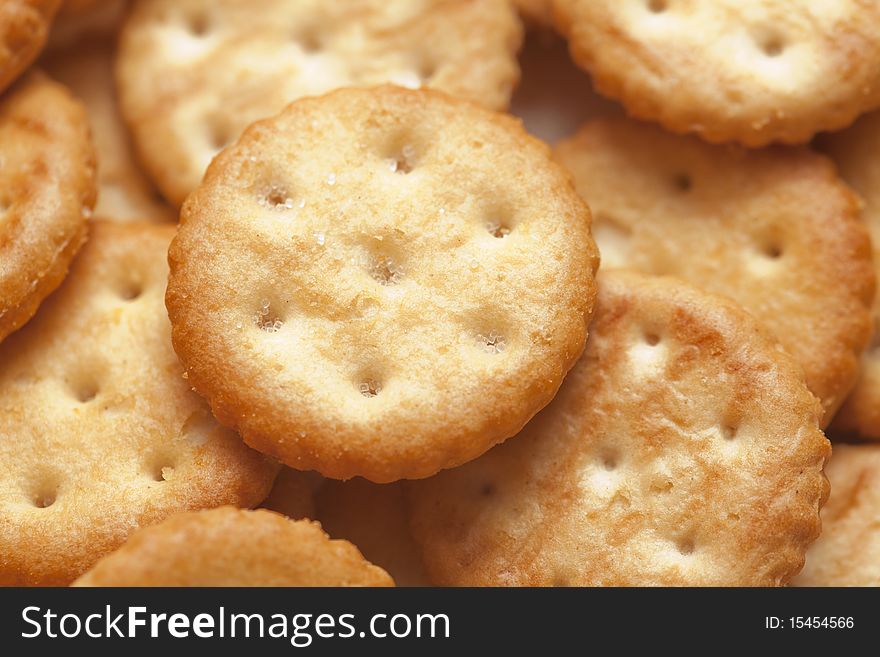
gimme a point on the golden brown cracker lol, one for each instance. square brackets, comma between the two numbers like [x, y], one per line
[47, 190]
[234, 547]
[381, 282]
[99, 432]
[24, 26]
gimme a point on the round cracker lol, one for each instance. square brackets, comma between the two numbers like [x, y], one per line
[99, 432]
[124, 191]
[232, 547]
[381, 282]
[24, 26]
[194, 73]
[775, 230]
[682, 449]
[856, 151]
[753, 71]
[848, 551]
[47, 191]
[373, 517]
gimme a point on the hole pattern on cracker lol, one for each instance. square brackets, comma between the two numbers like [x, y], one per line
[491, 342]
[385, 270]
[497, 229]
[162, 473]
[369, 387]
[771, 44]
[45, 498]
[609, 460]
[220, 134]
[683, 182]
[404, 162]
[309, 40]
[657, 6]
[685, 546]
[427, 70]
[773, 250]
[85, 391]
[266, 319]
[277, 197]
[131, 290]
[159, 467]
[198, 24]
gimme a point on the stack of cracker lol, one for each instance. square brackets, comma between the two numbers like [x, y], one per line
[329, 259]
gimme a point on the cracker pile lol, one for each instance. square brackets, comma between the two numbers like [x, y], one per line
[304, 256]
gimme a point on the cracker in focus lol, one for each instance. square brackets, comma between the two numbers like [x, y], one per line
[381, 282]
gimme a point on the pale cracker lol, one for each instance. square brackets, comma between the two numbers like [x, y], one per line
[775, 230]
[682, 449]
[848, 551]
[194, 73]
[753, 71]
